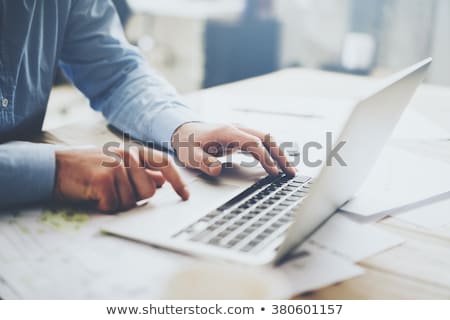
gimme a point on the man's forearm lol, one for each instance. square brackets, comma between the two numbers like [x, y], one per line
[146, 107]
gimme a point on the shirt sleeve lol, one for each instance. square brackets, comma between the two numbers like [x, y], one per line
[27, 173]
[115, 77]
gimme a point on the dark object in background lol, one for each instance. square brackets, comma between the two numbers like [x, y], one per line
[337, 67]
[124, 11]
[244, 49]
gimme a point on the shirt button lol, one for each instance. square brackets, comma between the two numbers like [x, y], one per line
[5, 103]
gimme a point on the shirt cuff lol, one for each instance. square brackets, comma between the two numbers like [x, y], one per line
[30, 171]
[167, 121]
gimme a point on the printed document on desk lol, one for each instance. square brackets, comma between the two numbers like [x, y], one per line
[352, 240]
[399, 180]
[433, 216]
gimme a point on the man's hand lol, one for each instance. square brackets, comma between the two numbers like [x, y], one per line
[114, 183]
[198, 144]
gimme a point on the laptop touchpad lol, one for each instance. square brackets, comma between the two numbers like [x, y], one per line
[166, 213]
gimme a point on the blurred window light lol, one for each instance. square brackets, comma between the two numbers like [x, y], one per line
[358, 51]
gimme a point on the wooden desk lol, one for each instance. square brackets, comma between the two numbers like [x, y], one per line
[419, 269]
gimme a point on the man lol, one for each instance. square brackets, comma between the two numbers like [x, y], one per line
[85, 38]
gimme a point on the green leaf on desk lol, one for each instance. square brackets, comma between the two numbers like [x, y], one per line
[64, 218]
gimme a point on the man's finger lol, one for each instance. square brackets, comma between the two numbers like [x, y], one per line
[143, 183]
[202, 157]
[208, 164]
[254, 145]
[156, 176]
[107, 199]
[159, 161]
[125, 188]
[275, 151]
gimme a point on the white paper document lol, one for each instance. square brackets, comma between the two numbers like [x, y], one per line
[415, 126]
[433, 216]
[352, 240]
[317, 270]
[399, 179]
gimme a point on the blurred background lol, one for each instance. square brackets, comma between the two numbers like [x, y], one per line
[202, 43]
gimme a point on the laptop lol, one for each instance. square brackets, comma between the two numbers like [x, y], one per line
[268, 221]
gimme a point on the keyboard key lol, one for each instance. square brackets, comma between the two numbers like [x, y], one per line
[257, 224]
[200, 236]
[250, 246]
[240, 223]
[199, 226]
[269, 202]
[232, 243]
[214, 241]
[296, 197]
[223, 234]
[249, 230]
[220, 222]
[211, 216]
[276, 225]
[301, 179]
[229, 217]
[285, 220]
[205, 219]
[241, 236]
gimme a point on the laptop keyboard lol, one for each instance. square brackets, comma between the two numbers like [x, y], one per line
[252, 219]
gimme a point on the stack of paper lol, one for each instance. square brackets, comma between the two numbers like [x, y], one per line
[400, 181]
[433, 216]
